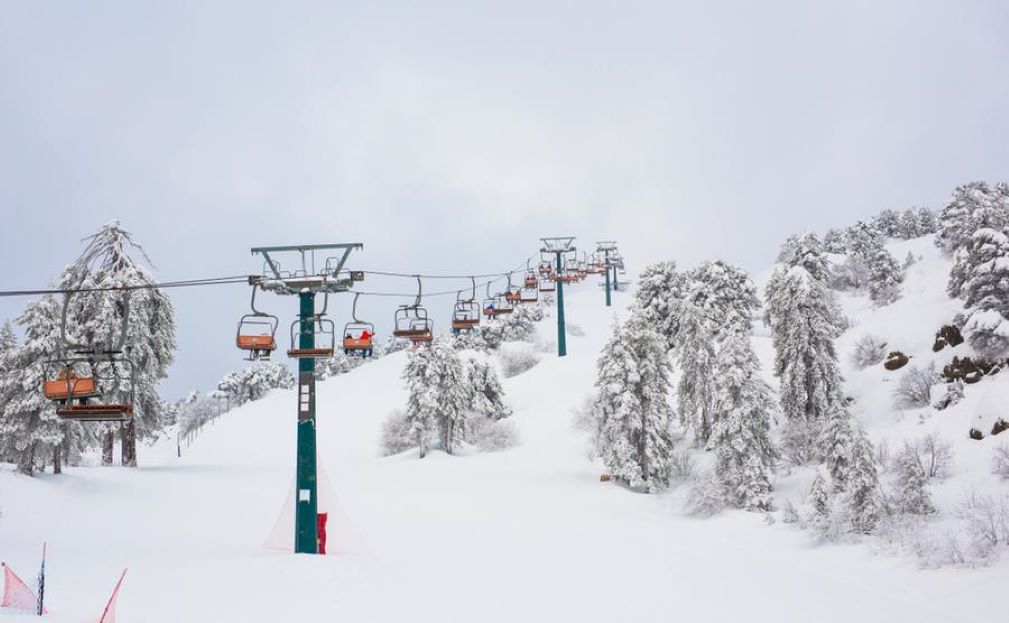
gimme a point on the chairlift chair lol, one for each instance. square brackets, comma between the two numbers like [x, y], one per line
[317, 326]
[548, 285]
[257, 332]
[412, 321]
[530, 281]
[466, 313]
[358, 336]
[77, 393]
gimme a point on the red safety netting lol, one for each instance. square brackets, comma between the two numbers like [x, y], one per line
[17, 595]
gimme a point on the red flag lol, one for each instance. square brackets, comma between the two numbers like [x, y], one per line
[109, 614]
[17, 595]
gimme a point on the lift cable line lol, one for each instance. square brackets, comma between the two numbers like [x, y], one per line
[245, 279]
[188, 283]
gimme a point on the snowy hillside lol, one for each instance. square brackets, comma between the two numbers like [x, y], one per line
[524, 534]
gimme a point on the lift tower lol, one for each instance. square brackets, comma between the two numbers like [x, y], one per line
[559, 246]
[606, 247]
[305, 281]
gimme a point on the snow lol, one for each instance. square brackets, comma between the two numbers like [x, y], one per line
[527, 534]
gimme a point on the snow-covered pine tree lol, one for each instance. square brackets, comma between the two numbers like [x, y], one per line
[863, 239]
[518, 326]
[805, 320]
[631, 410]
[696, 358]
[972, 206]
[885, 277]
[913, 497]
[909, 227]
[30, 433]
[834, 242]
[805, 251]
[819, 500]
[741, 435]
[254, 381]
[487, 392]
[421, 416]
[93, 318]
[834, 445]
[984, 264]
[656, 300]
[863, 485]
[724, 295]
[887, 223]
[927, 223]
[438, 396]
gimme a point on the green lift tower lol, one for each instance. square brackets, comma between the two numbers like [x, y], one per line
[307, 280]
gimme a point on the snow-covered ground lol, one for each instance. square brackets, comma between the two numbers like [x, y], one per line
[528, 534]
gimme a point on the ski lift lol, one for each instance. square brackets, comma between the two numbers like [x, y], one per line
[318, 326]
[496, 304]
[358, 336]
[257, 332]
[530, 281]
[530, 295]
[77, 392]
[466, 313]
[512, 294]
[548, 285]
[412, 322]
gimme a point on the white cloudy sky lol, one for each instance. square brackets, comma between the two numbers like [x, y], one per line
[448, 136]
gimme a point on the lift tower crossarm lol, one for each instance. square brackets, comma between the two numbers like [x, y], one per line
[327, 279]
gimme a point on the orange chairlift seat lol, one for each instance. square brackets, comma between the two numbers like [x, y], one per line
[75, 394]
[358, 336]
[412, 321]
[318, 326]
[257, 332]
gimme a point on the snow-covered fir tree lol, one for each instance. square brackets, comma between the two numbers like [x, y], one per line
[724, 295]
[254, 381]
[806, 251]
[741, 434]
[631, 410]
[863, 485]
[439, 399]
[972, 206]
[656, 300]
[805, 320]
[485, 386]
[887, 223]
[820, 501]
[984, 265]
[913, 496]
[518, 326]
[30, 432]
[696, 358]
[834, 242]
[94, 318]
[834, 445]
[863, 239]
[884, 276]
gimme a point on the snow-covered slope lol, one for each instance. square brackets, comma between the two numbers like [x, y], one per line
[528, 534]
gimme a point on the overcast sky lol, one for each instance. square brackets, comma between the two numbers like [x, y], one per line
[448, 136]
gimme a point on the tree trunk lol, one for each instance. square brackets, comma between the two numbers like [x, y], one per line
[129, 443]
[57, 459]
[108, 446]
[26, 463]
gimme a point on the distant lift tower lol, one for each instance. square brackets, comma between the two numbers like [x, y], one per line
[606, 247]
[559, 246]
[306, 280]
